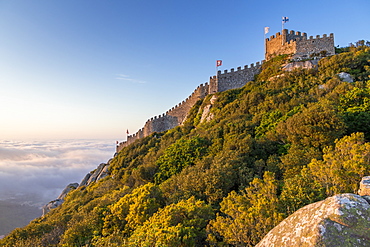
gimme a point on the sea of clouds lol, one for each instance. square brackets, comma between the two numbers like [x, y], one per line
[36, 172]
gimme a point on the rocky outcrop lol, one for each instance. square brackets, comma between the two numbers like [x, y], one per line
[86, 179]
[340, 220]
[364, 190]
[206, 114]
[57, 202]
[310, 64]
[345, 77]
[66, 190]
[100, 172]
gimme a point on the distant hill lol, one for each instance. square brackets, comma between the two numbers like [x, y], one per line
[243, 160]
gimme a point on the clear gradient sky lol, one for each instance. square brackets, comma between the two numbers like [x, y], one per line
[94, 68]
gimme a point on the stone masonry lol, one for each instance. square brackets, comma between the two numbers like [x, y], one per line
[298, 44]
[295, 43]
[176, 115]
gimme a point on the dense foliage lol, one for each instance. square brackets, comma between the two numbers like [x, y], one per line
[282, 141]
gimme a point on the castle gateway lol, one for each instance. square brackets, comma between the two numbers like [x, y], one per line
[295, 43]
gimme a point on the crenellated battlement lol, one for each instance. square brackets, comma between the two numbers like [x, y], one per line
[287, 42]
[234, 78]
[176, 115]
[297, 44]
[292, 35]
[246, 67]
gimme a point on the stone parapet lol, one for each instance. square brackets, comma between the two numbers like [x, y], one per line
[297, 44]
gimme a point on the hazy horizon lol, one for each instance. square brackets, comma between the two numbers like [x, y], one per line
[38, 171]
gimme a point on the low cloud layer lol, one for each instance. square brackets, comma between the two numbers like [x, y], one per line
[36, 172]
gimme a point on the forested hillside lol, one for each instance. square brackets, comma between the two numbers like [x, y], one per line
[228, 176]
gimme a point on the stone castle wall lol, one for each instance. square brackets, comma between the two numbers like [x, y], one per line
[177, 114]
[172, 118]
[298, 44]
[277, 44]
[307, 47]
[181, 110]
[295, 43]
[237, 78]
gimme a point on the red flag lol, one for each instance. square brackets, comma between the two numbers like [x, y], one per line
[127, 132]
[218, 63]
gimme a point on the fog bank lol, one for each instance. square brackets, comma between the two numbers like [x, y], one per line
[35, 172]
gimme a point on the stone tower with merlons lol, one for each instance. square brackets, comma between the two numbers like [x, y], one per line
[299, 45]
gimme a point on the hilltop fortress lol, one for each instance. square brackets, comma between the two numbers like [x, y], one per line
[295, 43]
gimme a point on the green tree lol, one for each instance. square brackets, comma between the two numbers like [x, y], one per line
[179, 155]
[343, 166]
[296, 158]
[300, 190]
[248, 216]
[355, 109]
[133, 210]
[181, 224]
[318, 125]
[208, 182]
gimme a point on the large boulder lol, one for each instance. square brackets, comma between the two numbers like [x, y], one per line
[364, 186]
[341, 220]
[345, 77]
[309, 64]
[100, 172]
[85, 179]
[52, 204]
[59, 201]
[207, 115]
[67, 189]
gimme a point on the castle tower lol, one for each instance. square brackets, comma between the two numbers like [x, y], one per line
[297, 44]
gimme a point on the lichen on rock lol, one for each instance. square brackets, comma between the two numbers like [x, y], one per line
[340, 220]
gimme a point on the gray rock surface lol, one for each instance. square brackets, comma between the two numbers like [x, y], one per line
[100, 172]
[103, 173]
[345, 77]
[206, 114]
[66, 190]
[51, 205]
[59, 201]
[364, 186]
[340, 220]
[85, 179]
[310, 64]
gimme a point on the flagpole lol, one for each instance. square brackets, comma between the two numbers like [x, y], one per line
[264, 38]
[282, 28]
[218, 64]
[216, 74]
[283, 21]
[265, 31]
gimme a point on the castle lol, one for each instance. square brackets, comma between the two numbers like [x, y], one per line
[295, 43]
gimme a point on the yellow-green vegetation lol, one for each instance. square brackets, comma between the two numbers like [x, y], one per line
[281, 142]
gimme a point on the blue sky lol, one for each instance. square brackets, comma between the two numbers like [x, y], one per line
[94, 68]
